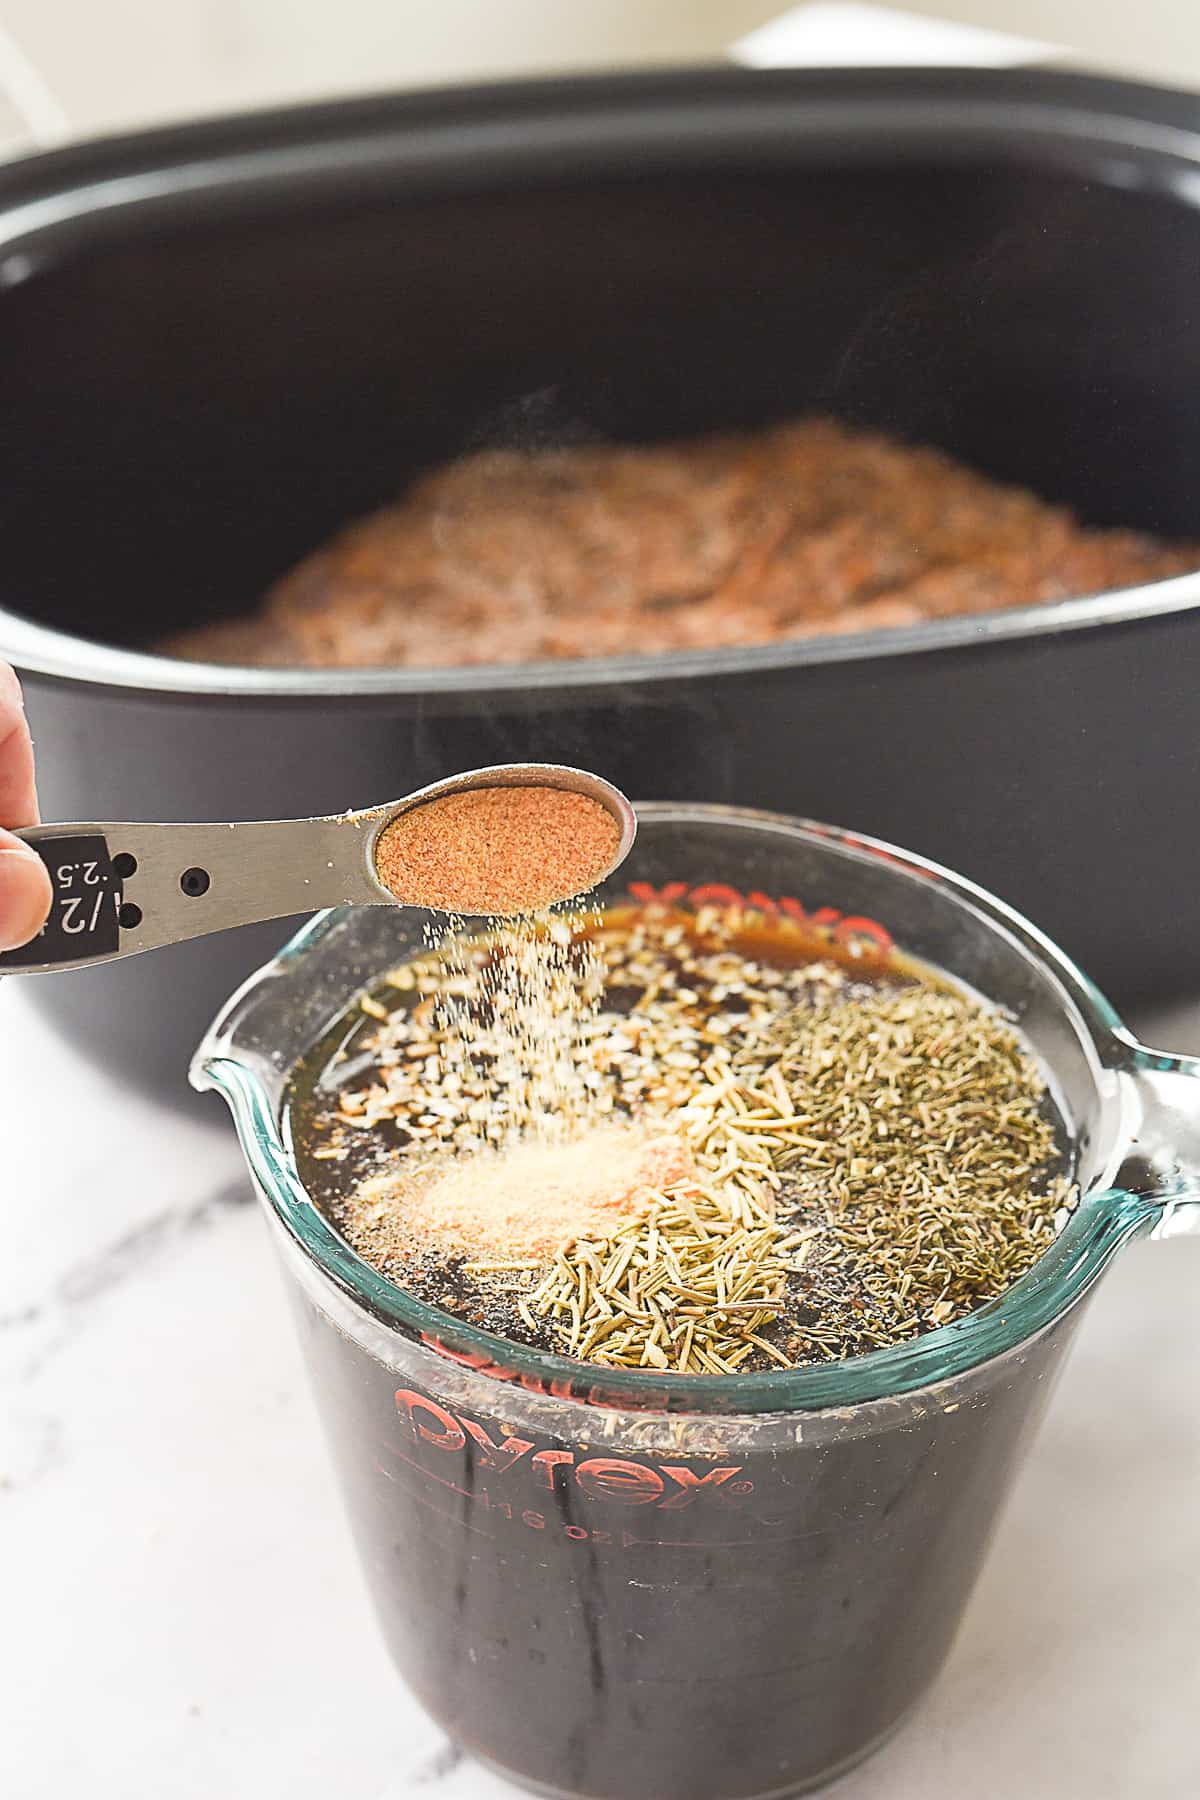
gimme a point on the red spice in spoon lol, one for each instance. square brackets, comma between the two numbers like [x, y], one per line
[497, 851]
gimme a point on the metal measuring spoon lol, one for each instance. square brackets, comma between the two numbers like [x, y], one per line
[121, 889]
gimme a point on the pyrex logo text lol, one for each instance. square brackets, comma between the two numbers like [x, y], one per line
[825, 921]
[619, 1480]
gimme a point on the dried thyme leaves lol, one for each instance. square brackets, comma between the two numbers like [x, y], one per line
[876, 1167]
[872, 1159]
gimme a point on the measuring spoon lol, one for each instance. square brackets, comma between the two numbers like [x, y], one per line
[121, 889]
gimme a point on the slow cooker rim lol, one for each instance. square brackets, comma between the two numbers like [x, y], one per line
[51, 654]
[1153, 104]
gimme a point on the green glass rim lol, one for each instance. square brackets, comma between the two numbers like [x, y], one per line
[1104, 1220]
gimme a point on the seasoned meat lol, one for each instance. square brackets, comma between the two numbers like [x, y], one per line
[800, 530]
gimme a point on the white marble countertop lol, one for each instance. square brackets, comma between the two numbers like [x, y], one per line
[183, 1614]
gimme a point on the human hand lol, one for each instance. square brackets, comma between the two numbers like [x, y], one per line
[25, 891]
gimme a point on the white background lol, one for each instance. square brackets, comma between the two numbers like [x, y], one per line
[112, 62]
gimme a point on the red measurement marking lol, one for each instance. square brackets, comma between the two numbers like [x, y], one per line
[826, 920]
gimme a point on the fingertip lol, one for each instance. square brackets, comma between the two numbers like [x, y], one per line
[25, 893]
[18, 793]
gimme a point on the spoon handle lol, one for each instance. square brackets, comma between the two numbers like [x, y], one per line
[120, 889]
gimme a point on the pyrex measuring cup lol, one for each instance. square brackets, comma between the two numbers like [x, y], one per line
[645, 1587]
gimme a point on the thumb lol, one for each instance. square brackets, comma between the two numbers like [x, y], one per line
[25, 892]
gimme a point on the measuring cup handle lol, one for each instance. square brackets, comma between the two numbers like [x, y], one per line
[123, 888]
[1163, 1161]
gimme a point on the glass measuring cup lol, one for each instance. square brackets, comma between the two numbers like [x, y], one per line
[631, 1585]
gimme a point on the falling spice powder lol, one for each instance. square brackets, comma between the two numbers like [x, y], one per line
[497, 851]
